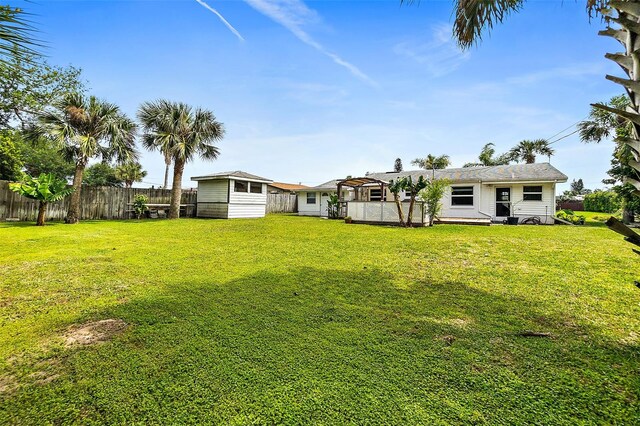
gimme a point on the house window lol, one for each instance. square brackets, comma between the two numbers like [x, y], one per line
[311, 197]
[462, 195]
[376, 195]
[255, 188]
[532, 193]
[240, 186]
[407, 195]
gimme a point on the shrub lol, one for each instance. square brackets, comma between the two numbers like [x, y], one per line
[140, 205]
[570, 216]
[602, 201]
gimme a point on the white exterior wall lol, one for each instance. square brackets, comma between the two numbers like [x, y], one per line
[218, 199]
[320, 207]
[484, 202]
[305, 209]
[213, 191]
[479, 203]
[246, 204]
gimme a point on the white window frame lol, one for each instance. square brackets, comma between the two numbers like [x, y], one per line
[315, 198]
[463, 206]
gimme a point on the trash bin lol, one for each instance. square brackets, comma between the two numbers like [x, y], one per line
[512, 220]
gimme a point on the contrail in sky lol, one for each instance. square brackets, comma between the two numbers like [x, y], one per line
[224, 21]
[293, 15]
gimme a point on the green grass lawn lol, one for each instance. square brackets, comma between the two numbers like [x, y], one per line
[290, 320]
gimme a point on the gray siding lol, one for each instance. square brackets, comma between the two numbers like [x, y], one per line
[246, 210]
[213, 191]
[213, 210]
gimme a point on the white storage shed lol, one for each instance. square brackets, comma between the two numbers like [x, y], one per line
[230, 195]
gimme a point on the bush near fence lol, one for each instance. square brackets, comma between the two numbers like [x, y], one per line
[602, 201]
[95, 203]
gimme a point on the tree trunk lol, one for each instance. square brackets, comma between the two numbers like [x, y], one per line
[176, 190]
[167, 163]
[396, 198]
[42, 208]
[412, 200]
[73, 215]
[627, 215]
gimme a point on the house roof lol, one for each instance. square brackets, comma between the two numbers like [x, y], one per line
[288, 186]
[536, 172]
[331, 185]
[238, 174]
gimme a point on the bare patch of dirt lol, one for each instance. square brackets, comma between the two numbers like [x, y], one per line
[94, 332]
[8, 384]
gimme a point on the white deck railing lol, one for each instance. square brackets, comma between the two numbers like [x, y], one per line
[383, 211]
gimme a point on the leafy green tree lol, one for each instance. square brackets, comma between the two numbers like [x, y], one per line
[101, 174]
[181, 132]
[10, 159]
[46, 189]
[396, 187]
[487, 158]
[406, 184]
[43, 157]
[527, 150]
[413, 188]
[130, 173]
[603, 124]
[431, 162]
[86, 128]
[397, 166]
[29, 85]
[432, 197]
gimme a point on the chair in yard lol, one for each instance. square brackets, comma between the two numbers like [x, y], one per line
[162, 214]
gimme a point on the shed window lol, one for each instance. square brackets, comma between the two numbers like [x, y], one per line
[255, 188]
[240, 186]
[462, 196]
[311, 197]
[532, 193]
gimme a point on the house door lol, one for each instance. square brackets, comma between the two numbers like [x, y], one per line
[324, 204]
[503, 202]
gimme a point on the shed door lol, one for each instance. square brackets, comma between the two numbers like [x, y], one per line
[503, 202]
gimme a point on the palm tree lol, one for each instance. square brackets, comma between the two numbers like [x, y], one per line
[487, 158]
[46, 189]
[526, 150]
[15, 34]
[431, 162]
[85, 128]
[178, 129]
[130, 172]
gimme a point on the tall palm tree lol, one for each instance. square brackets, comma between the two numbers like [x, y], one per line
[431, 162]
[130, 172]
[85, 128]
[526, 150]
[487, 158]
[183, 132]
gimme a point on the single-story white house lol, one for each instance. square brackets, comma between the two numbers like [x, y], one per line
[231, 195]
[489, 194]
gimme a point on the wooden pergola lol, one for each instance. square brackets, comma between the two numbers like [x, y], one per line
[359, 182]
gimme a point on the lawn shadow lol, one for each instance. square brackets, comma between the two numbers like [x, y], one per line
[328, 346]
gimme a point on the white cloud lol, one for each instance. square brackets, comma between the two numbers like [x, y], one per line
[294, 15]
[224, 21]
[439, 55]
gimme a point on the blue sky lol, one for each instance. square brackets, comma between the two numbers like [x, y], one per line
[315, 90]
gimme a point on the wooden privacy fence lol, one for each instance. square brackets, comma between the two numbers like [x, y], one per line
[282, 203]
[95, 203]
